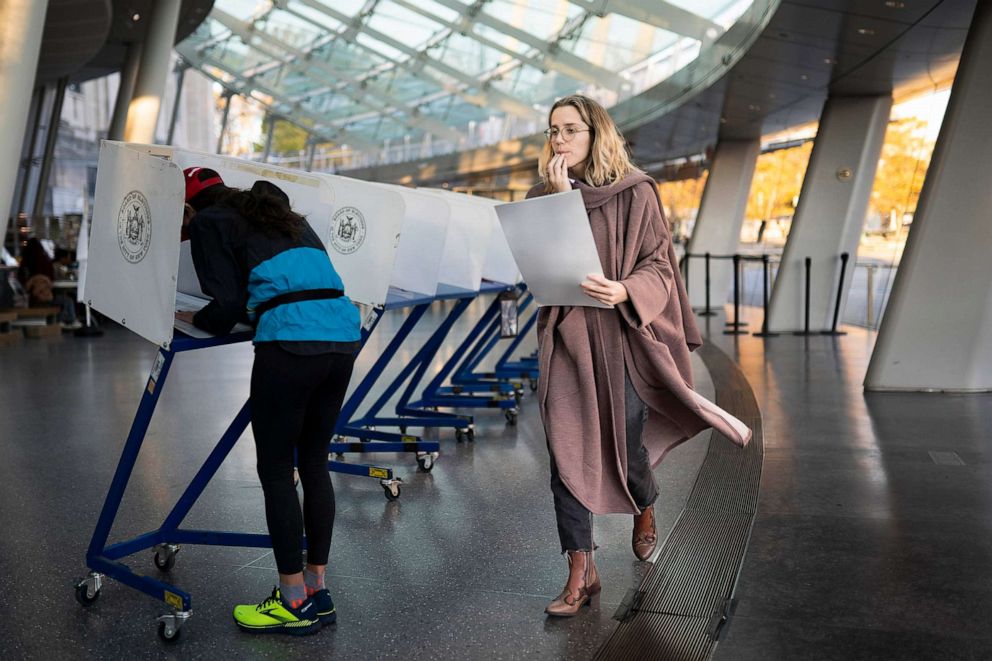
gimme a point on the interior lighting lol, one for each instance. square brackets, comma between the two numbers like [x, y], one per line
[895, 4]
[866, 31]
[135, 17]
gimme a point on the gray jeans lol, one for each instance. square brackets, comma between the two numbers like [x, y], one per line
[574, 520]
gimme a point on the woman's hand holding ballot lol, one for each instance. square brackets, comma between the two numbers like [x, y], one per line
[604, 290]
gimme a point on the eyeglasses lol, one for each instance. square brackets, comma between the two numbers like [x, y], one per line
[566, 133]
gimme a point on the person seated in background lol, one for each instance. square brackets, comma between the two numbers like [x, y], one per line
[65, 264]
[37, 274]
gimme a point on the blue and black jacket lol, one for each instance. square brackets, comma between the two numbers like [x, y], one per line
[241, 267]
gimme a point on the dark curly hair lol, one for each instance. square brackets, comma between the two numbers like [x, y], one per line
[266, 207]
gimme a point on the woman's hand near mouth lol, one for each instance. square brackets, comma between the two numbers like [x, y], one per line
[558, 173]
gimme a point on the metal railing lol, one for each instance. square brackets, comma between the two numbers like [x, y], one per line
[745, 292]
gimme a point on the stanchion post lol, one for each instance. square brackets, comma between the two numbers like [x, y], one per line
[685, 265]
[764, 332]
[840, 293]
[734, 327]
[808, 262]
[708, 312]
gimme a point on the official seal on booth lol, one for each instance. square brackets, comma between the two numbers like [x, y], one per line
[134, 227]
[347, 230]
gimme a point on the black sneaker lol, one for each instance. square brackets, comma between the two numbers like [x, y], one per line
[325, 607]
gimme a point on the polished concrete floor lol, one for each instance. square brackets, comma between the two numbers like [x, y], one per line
[873, 535]
[872, 540]
[460, 567]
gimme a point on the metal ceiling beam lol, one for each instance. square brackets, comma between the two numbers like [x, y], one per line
[560, 61]
[486, 96]
[408, 116]
[659, 14]
[244, 87]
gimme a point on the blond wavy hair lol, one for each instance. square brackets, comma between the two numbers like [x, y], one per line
[608, 161]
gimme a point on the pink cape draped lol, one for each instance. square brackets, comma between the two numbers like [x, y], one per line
[584, 351]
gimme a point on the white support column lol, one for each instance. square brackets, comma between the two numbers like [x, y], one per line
[937, 330]
[142, 112]
[125, 91]
[831, 212]
[721, 214]
[21, 25]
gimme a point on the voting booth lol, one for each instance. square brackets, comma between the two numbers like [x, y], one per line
[394, 248]
[475, 260]
[134, 269]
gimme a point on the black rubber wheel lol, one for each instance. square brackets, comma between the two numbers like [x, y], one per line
[460, 435]
[470, 435]
[426, 463]
[164, 562]
[390, 496]
[511, 416]
[83, 597]
[533, 386]
[163, 634]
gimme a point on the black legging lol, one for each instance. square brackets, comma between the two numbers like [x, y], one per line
[295, 401]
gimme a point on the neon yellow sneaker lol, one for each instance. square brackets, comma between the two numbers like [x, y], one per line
[274, 616]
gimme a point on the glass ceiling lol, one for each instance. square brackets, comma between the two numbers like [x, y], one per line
[367, 73]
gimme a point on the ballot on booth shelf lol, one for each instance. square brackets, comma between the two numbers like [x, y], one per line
[139, 274]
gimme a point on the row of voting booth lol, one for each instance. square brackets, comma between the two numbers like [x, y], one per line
[394, 247]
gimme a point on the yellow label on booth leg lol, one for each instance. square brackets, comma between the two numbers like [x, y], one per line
[378, 472]
[409, 439]
[174, 600]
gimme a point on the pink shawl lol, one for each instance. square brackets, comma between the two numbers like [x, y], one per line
[584, 351]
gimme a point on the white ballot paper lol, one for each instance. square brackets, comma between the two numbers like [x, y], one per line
[552, 243]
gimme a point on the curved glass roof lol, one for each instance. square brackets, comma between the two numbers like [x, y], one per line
[371, 73]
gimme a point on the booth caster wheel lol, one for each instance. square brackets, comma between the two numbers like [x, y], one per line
[391, 488]
[518, 396]
[165, 556]
[426, 460]
[88, 589]
[170, 626]
[533, 385]
[510, 415]
[465, 434]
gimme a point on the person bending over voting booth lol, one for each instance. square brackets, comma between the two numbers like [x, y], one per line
[260, 253]
[262, 263]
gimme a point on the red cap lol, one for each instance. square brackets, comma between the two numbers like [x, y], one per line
[199, 178]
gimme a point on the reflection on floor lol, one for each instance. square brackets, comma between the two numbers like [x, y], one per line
[868, 543]
[460, 567]
[873, 537]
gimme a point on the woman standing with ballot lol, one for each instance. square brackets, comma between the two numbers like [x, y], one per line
[615, 388]
[263, 264]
